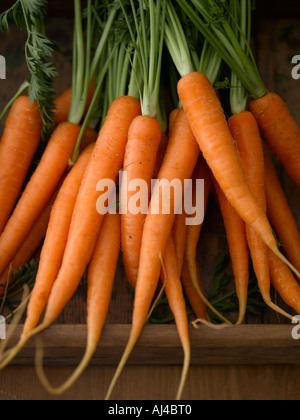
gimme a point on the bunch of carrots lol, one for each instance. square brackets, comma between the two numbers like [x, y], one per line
[115, 118]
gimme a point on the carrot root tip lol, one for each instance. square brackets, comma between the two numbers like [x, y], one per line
[200, 321]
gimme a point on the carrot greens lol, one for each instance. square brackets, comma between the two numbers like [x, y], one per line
[30, 16]
[213, 19]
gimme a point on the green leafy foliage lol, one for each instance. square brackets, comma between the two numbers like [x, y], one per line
[29, 15]
[24, 275]
[223, 295]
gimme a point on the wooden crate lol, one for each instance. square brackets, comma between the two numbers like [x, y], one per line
[264, 340]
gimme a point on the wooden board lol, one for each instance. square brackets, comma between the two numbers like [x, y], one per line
[160, 345]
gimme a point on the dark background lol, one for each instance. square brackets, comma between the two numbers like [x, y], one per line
[264, 8]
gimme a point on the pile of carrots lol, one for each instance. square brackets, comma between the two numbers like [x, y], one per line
[55, 211]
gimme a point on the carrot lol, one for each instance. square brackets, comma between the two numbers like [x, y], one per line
[105, 163]
[280, 131]
[180, 226]
[52, 250]
[172, 119]
[284, 282]
[209, 125]
[144, 138]
[193, 234]
[38, 191]
[28, 247]
[280, 214]
[180, 239]
[198, 306]
[174, 293]
[247, 136]
[101, 275]
[89, 136]
[161, 152]
[19, 143]
[238, 249]
[55, 241]
[179, 162]
[62, 106]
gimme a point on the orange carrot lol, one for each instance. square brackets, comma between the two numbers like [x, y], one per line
[52, 250]
[62, 106]
[238, 249]
[247, 136]
[89, 136]
[19, 143]
[280, 130]
[172, 119]
[161, 153]
[198, 306]
[174, 293]
[55, 241]
[280, 214]
[101, 275]
[179, 162]
[201, 171]
[28, 247]
[208, 122]
[144, 137]
[284, 282]
[180, 229]
[105, 163]
[38, 191]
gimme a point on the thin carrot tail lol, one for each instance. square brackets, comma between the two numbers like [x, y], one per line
[242, 311]
[130, 345]
[14, 351]
[185, 371]
[277, 309]
[15, 322]
[207, 303]
[90, 350]
[201, 321]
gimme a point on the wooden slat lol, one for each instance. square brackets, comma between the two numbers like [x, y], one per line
[160, 345]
